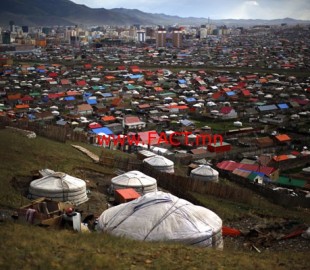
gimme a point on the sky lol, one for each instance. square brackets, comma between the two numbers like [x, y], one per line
[214, 9]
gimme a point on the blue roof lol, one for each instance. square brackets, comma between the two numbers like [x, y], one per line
[230, 93]
[267, 108]
[107, 95]
[41, 70]
[136, 76]
[92, 101]
[45, 98]
[104, 130]
[190, 99]
[283, 106]
[69, 98]
[31, 116]
[182, 81]
[186, 122]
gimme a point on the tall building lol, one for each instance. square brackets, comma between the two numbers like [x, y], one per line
[141, 35]
[25, 28]
[12, 26]
[177, 38]
[161, 38]
[203, 32]
[6, 38]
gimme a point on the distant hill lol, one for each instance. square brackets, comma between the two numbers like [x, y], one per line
[65, 12]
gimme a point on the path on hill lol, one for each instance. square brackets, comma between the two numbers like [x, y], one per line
[93, 156]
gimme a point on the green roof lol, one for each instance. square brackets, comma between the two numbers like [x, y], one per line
[287, 181]
[252, 176]
[35, 94]
[130, 87]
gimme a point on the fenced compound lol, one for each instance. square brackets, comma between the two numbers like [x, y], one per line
[53, 132]
[271, 195]
[176, 184]
[182, 185]
[56, 133]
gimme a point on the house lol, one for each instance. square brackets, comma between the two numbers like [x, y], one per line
[219, 147]
[133, 122]
[282, 139]
[84, 109]
[264, 142]
[270, 172]
[44, 116]
[228, 113]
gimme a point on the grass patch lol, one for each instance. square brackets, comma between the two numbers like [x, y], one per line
[20, 155]
[37, 248]
[32, 247]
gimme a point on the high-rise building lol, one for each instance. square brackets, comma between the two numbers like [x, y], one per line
[161, 38]
[12, 26]
[141, 35]
[25, 28]
[6, 38]
[177, 38]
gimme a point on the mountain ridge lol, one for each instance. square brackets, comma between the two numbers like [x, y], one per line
[66, 13]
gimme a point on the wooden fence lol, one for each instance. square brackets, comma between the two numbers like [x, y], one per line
[50, 131]
[176, 184]
[265, 191]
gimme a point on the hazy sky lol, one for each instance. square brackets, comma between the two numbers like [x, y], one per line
[215, 9]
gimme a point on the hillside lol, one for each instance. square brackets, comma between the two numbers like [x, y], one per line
[65, 13]
[29, 247]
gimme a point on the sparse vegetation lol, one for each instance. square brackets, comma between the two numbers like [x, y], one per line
[31, 247]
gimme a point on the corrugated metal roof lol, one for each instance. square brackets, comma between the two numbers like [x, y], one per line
[265, 108]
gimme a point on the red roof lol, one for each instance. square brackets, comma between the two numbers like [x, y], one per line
[81, 83]
[108, 118]
[295, 153]
[229, 165]
[94, 125]
[217, 95]
[180, 107]
[127, 194]
[87, 66]
[22, 106]
[251, 77]
[158, 89]
[73, 93]
[65, 81]
[132, 119]
[14, 97]
[27, 98]
[148, 82]
[52, 74]
[116, 102]
[283, 138]
[56, 95]
[144, 106]
[223, 79]
[246, 93]
[121, 68]
[226, 110]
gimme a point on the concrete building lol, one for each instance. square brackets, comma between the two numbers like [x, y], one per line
[161, 38]
[141, 35]
[177, 38]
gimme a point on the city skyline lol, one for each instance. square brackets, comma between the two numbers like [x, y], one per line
[221, 9]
